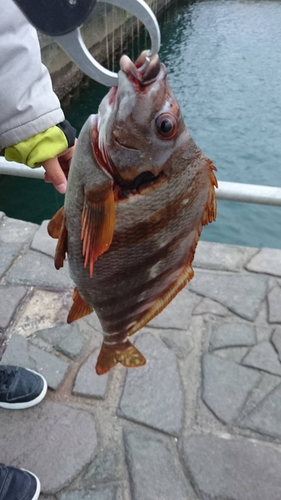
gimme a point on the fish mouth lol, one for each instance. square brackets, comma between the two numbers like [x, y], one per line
[142, 184]
[144, 71]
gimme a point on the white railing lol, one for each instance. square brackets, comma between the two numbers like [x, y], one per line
[230, 191]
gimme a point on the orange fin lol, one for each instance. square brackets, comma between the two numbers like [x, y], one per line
[125, 353]
[98, 223]
[210, 212]
[79, 308]
[55, 223]
[61, 246]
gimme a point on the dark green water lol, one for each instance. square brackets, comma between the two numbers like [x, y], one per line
[224, 65]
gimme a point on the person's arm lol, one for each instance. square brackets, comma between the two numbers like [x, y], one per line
[32, 126]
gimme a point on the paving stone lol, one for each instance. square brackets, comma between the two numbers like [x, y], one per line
[276, 340]
[266, 385]
[106, 493]
[3, 340]
[17, 353]
[50, 366]
[266, 417]
[65, 338]
[179, 341]
[10, 299]
[44, 497]
[264, 357]
[235, 354]
[230, 469]
[42, 310]
[107, 467]
[144, 397]
[274, 301]
[267, 261]
[87, 382]
[20, 352]
[263, 332]
[154, 471]
[226, 386]
[42, 241]
[54, 335]
[222, 257]
[52, 440]
[177, 314]
[92, 321]
[240, 293]
[14, 230]
[210, 306]
[8, 252]
[232, 334]
[37, 269]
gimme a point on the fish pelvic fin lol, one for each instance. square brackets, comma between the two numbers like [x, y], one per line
[55, 223]
[57, 229]
[98, 223]
[125, 353]
[79, 308]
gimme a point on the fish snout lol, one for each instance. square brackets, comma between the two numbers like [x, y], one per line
[144, 71]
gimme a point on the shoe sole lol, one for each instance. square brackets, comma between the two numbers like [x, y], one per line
[28, 404]
[38, 485]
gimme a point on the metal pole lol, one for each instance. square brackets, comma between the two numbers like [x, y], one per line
[13, 168]
[230, 191]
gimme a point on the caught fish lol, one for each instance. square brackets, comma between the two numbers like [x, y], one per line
[139, 192]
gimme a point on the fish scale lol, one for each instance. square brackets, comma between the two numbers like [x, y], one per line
[139, 192]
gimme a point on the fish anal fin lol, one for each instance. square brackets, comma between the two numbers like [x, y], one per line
[98, 223]
[61, 248]
[79, 308]
[126, 354]
[55, 223]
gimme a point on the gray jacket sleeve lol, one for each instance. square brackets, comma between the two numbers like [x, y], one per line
[28, 104]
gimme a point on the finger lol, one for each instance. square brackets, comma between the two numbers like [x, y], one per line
[55, 174]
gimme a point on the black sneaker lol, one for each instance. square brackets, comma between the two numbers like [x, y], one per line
[20, 388]
[17, 484]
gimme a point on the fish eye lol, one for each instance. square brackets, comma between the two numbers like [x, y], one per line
[166, 126]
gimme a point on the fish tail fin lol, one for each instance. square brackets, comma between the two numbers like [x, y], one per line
[111, 354]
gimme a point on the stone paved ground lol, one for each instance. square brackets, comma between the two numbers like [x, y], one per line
[202, 420]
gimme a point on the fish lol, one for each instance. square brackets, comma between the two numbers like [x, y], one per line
[139, 193]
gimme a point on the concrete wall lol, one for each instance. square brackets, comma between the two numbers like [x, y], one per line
[104, 23]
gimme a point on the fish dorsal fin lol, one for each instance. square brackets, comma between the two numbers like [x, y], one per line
[57, 229]
[55, 223]
[187, 274]
[79, 308]
[210, 211]
[98, 223]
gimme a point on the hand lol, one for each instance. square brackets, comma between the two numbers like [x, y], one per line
[57, 169]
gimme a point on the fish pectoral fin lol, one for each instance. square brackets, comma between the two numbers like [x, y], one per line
[61, 248]
[111, 354]
[55, 223]
[57, 229]
[98, 223]
[79, 308]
